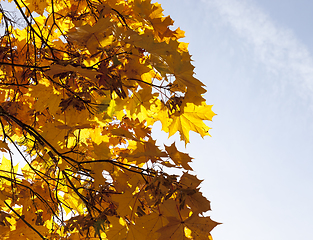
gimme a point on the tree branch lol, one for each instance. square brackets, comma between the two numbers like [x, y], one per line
[20, 217]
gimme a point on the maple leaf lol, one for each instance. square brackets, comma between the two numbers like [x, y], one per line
[177, 229]
[4, 147]
[37, 6]
[151, 223]
[118, 229]
[183, 71]
[4, 231]
[99, 179]
[6, 168]
[190, 181]
[24, 232]
[82, 85]
[57, 69]
[127, 203]
[200, 226]
[93, 37]
[197, 202]
[180, 159]
[146, 151]
[191, 118]
[136, 232]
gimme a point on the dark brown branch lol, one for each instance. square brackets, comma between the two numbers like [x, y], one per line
[121, 17]
[24, 66]
[83, 198]
[121, 165]
[20, 217]
[108, 58]
[30, 130]
[34, 193]
[151, 84]
[30, 25]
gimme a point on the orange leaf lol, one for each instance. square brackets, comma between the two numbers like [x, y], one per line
[181, 159]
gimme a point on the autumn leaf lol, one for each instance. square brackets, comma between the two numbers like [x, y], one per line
[57, 69]
[6, 169]
[4, 147]
[146, 151]
[127, 203]
[191, 119]
[197, 202]
[136, 232]
[151, 223]
[177, 229]
[183, 72]
[189, 180]
[200, 226]
[23, 232]
[82, 85]
[179, 158]
[118, 229]
[44, 99]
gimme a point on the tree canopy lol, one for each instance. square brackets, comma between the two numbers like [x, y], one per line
[81, 84]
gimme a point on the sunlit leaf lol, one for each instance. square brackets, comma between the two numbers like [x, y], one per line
[82, 84]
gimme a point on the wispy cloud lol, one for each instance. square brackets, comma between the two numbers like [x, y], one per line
[275, 46]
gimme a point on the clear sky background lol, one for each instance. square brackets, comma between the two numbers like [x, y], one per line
[256, 58]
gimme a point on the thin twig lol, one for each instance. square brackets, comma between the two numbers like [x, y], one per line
[20, 217]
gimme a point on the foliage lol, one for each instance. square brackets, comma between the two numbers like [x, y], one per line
[81, 84]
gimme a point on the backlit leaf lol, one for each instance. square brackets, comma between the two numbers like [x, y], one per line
[82, 85]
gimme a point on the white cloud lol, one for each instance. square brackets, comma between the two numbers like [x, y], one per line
[276, 47]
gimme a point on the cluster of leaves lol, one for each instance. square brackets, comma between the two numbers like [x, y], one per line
[81, 84]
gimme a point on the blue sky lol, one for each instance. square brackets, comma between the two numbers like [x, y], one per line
[256, 58]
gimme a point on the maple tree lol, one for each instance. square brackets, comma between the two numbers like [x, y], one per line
[81, 84]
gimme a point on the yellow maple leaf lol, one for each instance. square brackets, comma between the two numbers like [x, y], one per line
[98, 169]
[46, 96]
[25, 232]
[56, 69]
[36, 5]
[176, 229]
[4, 232]
[88, 81]
[146, 151]
[197, 202]
[180, 159]
[136, 232]
[191, 118]
[173, 230]
[93, 37]
[183, 72]
[118, 228]
[189, 180]
[200, 226]
[7, 170]
[127, 203]
[151, 223]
